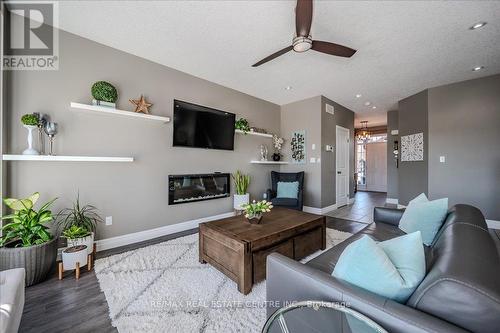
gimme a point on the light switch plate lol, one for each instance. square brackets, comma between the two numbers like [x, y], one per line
[109, 220]
[442, 159]
[313, 146]
[312, 160]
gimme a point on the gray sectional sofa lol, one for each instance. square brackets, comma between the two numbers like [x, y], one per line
[11, 299]
[460, 293]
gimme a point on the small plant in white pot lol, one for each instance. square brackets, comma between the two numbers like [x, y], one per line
[30, 122]
[241, 197]
[78, 224]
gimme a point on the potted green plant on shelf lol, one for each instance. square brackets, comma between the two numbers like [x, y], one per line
[255, 210]
[241, 183]
[242, 125]
[30, 122]
[78, 224]
[27, 241]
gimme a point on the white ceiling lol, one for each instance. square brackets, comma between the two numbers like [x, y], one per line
[403, 46]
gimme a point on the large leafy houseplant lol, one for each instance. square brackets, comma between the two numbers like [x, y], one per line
[27, 241]
[27, 226]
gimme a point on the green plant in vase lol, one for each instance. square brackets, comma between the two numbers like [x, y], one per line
[241, 183]
[242, 125]
[29, 120]
[75, 232]
[28, 225]
[255, 210]
[27, 241]
[85, 218]
[104, 91]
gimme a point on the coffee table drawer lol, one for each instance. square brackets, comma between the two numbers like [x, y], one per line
[307, 243]
[259, 258]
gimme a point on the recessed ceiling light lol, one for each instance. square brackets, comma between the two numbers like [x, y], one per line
[374, 107]
[358, 95]
[288, 88]
[478, 68]
[368, 103]
[478, 25]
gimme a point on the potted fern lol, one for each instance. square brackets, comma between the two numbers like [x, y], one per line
[27, 241]
[241, 197]
[78, 224]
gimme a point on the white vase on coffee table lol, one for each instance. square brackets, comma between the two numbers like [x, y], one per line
[241, 199]
[30, 150]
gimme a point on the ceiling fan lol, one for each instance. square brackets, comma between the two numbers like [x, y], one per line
[303, 41]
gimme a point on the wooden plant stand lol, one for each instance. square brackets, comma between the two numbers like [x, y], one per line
[90, 263]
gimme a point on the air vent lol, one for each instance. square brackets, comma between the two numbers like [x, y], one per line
[330, 109]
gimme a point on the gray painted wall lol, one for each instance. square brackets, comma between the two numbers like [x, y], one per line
[464, 126]
[413, 118]
[341, 117]
[392, 171]
[135, 194]
[304, 115]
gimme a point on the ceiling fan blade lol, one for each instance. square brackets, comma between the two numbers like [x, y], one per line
[303, 17]
[274, 55]
[332, 48]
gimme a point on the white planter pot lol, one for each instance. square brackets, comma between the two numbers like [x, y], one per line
[71, 256]
[89, 241]
[241, 199]
[30, 150]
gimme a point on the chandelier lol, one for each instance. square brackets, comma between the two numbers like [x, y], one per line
[363, 133]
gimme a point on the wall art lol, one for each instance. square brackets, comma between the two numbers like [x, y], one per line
[412, 147]
[298, 147]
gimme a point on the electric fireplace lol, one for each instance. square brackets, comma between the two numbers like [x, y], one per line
[197, 187]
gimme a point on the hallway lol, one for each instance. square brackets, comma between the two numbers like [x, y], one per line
[362, 208]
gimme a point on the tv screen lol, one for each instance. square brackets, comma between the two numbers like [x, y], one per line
[201, 127]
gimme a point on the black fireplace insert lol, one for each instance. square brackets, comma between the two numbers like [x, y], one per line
[197, 187]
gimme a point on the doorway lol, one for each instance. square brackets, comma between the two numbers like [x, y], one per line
[342, 166]
[371, 163]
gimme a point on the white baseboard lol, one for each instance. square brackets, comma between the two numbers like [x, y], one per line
[112, 242]
[493, 224]
[391, 201]
[351, 201]
[319, 211]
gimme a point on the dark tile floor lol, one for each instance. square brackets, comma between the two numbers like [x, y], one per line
[362, 208]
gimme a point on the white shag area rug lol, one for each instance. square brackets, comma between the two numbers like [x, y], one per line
[164, 288]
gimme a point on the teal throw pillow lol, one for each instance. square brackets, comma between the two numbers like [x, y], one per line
[424, 216]
[288, 190]
[392, 269]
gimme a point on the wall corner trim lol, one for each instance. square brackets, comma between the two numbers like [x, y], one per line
[112, 242]
[493, 224]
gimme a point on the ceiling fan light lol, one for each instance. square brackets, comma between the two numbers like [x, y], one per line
[302, 44]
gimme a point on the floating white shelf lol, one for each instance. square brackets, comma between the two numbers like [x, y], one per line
[108, 110]
[266, 135]
[57, 158]
[268, 162]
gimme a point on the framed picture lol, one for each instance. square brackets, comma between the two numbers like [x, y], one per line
[298, 147]
[412, 147]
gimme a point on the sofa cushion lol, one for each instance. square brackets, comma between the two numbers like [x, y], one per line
[391, 269]
[462, 286]
[424, 216]
[290, 202]
[287, 190]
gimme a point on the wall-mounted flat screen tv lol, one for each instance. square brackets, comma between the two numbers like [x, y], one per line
[202, 127]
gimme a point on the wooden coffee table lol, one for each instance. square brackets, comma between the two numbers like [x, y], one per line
[239, 249]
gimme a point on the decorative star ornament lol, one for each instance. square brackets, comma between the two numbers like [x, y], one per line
[141, 105]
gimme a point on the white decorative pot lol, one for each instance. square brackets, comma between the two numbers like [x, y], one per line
[74, 254]
[30, 150]
[241, 199]
[88, 241]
